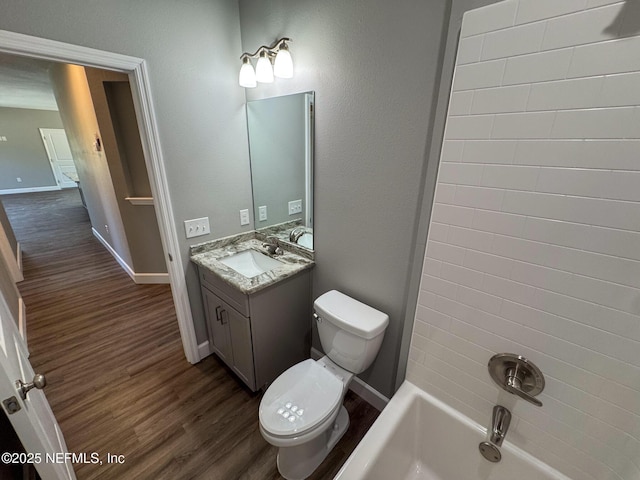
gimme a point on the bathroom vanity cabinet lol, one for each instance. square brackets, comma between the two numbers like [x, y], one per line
[262, 334]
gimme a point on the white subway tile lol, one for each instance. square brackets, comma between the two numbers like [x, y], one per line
[438, 232]
[462, 276]
[621, 396]
[480, 300]
[445, 193]
[523, 125]
[457, 344]
[445, 252]
[537, 67]
[500, 100]
[557, 232]
[621, 186]
[615, 56]
[582, 27]
[605, 293]
[489, 18]
[439, 286]
[601, 212]
[478, 75]
[471, 127]
[452, 215]
[463, 237]
[460, 174]
[596, 123]
[604, 154]
[452, 151]
[499, 222]
[461, 103]
[431, 317]
[509, 289]
[513, 41]
[621, 243]
[489, 151]
[476, 197]
[535, 204]
[469, 50]
[485, 262]
[509, 177]
[565, 94]
[620, 90]
[571, 181]
[532, 10]
[431, 267]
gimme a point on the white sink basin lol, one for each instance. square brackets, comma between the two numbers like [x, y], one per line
[250, 263]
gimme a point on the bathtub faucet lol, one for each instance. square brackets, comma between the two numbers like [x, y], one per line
[499, 424]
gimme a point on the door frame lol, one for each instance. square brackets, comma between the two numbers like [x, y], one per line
[52, 50]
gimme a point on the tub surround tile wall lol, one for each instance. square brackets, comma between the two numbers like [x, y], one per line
[533, 240]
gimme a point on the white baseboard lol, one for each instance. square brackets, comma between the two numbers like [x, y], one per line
[139, 278]
[11, 191]
[204, 349]
[360, 388]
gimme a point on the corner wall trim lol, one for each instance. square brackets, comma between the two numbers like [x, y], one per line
[19, 256]
[360, 387]
[12, 191]
[139, 278]
[204, 349]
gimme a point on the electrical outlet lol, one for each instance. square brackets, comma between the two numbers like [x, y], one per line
[106, 228]
[262, 213]
[244, 217]
[295, 207]
[3, 138]
[19, 179]
[197, 227]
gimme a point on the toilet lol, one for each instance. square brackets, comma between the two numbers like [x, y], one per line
[301, 412]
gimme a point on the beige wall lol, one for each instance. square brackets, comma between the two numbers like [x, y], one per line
[113, 104]
[23, 154]
[78, 116]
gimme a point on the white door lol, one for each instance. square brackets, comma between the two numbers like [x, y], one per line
[59, 153]
[34, 422]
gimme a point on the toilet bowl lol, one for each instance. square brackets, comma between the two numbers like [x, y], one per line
[301, 412]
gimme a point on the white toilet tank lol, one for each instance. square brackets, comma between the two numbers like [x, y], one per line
[350, 331]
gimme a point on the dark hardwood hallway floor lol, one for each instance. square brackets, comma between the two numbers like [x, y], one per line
[118, 381]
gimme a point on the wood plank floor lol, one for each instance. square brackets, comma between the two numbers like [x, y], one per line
[118, 379]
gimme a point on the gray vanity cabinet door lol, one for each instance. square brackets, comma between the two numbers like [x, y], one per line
[242, 346]
[218, 331]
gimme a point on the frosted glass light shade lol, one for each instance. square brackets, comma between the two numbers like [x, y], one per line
[247, 77]
[283, 66]
[264, 70]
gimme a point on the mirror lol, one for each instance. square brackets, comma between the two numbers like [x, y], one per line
[281, 151]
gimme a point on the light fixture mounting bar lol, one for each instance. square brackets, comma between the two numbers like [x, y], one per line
[271, 50]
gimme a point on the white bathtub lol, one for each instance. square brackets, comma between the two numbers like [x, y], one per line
[418, 437]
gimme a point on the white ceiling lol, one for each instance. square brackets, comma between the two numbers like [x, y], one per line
[24, 83]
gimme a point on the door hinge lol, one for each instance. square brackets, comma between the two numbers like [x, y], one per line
[11, 405]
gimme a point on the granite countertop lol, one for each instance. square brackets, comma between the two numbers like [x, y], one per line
[208, 255]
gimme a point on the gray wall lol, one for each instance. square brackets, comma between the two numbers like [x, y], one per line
[116, 120]
[277, 148]
[192, 50]
[23, 154]
[374, 68]
[457, 9]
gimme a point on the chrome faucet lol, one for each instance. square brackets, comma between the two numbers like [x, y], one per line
[499, 424]
[296, 233]
[271, 244]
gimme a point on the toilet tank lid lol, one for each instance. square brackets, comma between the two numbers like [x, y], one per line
[351, 315]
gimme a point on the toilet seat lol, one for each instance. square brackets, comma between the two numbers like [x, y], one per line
[306, 392]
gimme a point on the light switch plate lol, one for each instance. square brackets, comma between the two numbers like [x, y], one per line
[262, 213]
[197, 227]
[295, 206]
[244, 217]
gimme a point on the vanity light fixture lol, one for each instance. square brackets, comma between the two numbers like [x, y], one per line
[273, 60]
